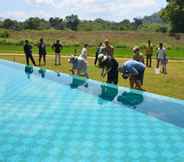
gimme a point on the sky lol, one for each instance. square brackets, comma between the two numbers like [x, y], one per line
[113, 10]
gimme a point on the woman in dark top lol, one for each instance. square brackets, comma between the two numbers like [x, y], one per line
[28, 53]
[42, 51]
[57, 48]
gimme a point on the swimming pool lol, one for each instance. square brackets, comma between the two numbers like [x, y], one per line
[60, 118]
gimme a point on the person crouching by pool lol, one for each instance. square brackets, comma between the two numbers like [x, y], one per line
[80, 64]
[42, 51]
[57, 48]
[109, 66]
[134, 70]
[138, 56]
[28, 53]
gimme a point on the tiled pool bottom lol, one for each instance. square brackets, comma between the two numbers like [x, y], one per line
[43, 120]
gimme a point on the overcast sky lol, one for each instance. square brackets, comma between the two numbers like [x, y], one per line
[114, 10]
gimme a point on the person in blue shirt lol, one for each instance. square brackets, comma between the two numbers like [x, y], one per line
[134, 70]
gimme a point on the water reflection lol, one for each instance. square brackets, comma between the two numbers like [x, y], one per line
[130, 99]
[108, 93]
[42, 72]
[28, 71]
[78, 82]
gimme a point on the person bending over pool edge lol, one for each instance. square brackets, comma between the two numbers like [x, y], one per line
[134, 71]
[28, 53]
[109, 66]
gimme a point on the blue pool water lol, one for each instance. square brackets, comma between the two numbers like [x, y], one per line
[60, 118]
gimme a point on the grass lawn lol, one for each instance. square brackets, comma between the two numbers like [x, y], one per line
[168, 85]
[123, 52]
[122, 41]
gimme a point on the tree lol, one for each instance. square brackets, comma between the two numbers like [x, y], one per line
[72, 22]
[137, 22]
[1, 23]
[36, 23]
[125, 25]
[174, 14]
[10, 24]
[56, 23]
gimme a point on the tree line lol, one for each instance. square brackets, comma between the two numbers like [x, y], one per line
[73, 22]
[170, 19]
[36, 23]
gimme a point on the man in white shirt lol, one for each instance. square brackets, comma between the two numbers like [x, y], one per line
[160, 54]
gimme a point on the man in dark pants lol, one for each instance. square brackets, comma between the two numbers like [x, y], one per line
[28, 53]
[109, 66]
[112, 75]
[149, 53]
[42, 51]
[98, 51]
[57, 47]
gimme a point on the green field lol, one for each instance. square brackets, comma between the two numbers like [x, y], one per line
[168, 85]
[177, 53]
[123, 42]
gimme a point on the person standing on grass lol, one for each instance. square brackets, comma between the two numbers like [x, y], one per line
[149, 53]
[42, 51]
[28, 53]
[57, 48]
[161, 52]
[98, 51]
[162, 58]
[138, 56]
[108, 49]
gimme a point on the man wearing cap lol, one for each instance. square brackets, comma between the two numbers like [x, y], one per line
[108, 50]
[134, 70]
[109, 66]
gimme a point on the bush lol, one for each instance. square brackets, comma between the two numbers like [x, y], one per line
[121, 46]
[4, 34]
[162, 29]
[21, 42]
